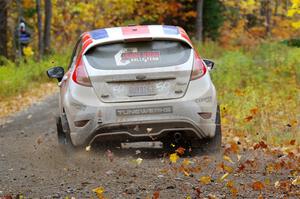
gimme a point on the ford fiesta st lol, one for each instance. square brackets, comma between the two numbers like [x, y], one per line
[137, 84]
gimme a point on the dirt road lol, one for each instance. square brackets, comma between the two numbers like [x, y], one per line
[32, 164]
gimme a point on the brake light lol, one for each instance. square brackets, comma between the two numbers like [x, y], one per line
[199, 69]
[80, 75]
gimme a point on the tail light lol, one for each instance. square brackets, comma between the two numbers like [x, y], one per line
[199, 69]
[80, 75]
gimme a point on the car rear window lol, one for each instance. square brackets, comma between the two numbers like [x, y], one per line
[136, 55]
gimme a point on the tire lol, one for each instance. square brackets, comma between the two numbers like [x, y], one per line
[63, 136]
[213, 145]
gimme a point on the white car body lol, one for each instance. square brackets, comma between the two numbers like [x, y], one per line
[105, 110]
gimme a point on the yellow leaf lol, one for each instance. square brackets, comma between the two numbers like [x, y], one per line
[205, 179]
[223, 177]
[296, 181]
[267, 181]
[227, 158]
[99, 192]
[230, 184]
[139, 161]
[186, 173]
[228, 168]
[28, 51]
[186, 162]
[174, 157]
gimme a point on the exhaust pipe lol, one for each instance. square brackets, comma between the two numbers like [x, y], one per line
[177, 136]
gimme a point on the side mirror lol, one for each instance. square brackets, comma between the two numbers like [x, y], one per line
[209, 63]
[56, 72]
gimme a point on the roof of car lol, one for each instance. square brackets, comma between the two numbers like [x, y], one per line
[108, 35]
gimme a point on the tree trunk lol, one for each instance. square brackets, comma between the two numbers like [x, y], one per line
[3, 27]
[47, 30]
[266, 7]
[268, 17]
[199, 20]
[39, 25]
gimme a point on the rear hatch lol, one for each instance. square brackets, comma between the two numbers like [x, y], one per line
[139, 71]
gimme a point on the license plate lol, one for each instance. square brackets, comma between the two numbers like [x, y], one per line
[141, 90]
[136, 145]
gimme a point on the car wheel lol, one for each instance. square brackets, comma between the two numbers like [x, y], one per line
[63, 136]
[213, 145]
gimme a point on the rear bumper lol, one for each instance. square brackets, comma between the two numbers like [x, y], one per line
[141, 131]
[118, 120]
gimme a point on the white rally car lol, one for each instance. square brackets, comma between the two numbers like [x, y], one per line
[137, 84]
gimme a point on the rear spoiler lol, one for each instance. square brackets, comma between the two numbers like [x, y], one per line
[135, 39]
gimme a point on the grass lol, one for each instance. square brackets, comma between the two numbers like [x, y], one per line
[258, 88]
[17, 79]
[259, 91]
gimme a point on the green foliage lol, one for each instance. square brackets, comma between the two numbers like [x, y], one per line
[258, 90]
[212, 18]
[292, 42]
[17, 79]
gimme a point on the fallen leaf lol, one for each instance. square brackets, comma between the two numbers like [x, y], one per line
[174, 157]
[241, 168]
[39, 140]
[180, 150]
[139, 161]
[234, 147]
[239, 157]
[186, 173]
[149, 130]
[155, 195]
[226, 168]
[212, 196]
[99, 192]
[277, 184]
[223, 177]
[260, 197]
[254, 111]
[267, 181]
[230, 184]
[205, 180]
[234, 192]
[269, 168]
[257, 186]
[292, 142]
[88, 148]
[296, 181]
[227, 158]
[249, 118]
[186, 162]
[261, 144]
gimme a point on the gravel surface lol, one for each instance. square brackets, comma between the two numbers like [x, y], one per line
[33, 165]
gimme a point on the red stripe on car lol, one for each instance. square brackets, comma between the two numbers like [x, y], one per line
[135, 30]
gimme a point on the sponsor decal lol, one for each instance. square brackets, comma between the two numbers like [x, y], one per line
[144, 111]
[130, 55]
